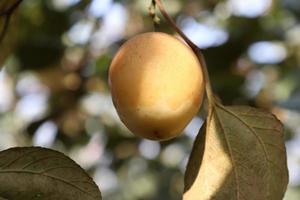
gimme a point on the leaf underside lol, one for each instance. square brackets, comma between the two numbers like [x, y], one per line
[38, 173]
[239, 154]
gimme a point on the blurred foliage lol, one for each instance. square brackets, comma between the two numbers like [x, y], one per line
[54, 89]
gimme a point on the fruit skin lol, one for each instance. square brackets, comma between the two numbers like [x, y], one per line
[157, 85]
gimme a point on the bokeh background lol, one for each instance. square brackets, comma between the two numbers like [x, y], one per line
[54, 91]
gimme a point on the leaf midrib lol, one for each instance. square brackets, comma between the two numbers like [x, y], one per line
[231, 155]
[255, 134]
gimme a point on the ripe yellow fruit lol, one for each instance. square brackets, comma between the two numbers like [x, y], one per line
[157, 85]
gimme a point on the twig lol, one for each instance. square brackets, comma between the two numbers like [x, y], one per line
[6, 14]
[153, 15]
[196, 50]
[173, 24]
[4, 27]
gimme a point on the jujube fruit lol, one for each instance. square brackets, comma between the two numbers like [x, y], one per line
[157, 85]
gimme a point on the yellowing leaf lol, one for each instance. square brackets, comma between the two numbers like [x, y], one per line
[238, 155]
[38, 173]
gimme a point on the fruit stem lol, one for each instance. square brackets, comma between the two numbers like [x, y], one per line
[195, 48]
[208, 87]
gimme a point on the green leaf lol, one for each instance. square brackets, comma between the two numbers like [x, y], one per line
[238, 155]
[38, 173]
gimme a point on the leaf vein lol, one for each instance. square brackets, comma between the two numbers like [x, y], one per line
[275, 146]
[18, 158]
[255, 134]
[268, 129]
[41, 159]
[60, 167]
[49, 176]
[257, 116]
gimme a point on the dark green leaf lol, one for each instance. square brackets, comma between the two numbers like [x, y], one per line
[38, 173]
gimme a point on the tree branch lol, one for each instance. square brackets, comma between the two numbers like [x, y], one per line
[6, 14]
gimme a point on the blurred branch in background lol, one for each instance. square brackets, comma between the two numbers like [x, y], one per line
[6, 14]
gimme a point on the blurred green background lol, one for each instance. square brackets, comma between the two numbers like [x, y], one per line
[54, 91]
